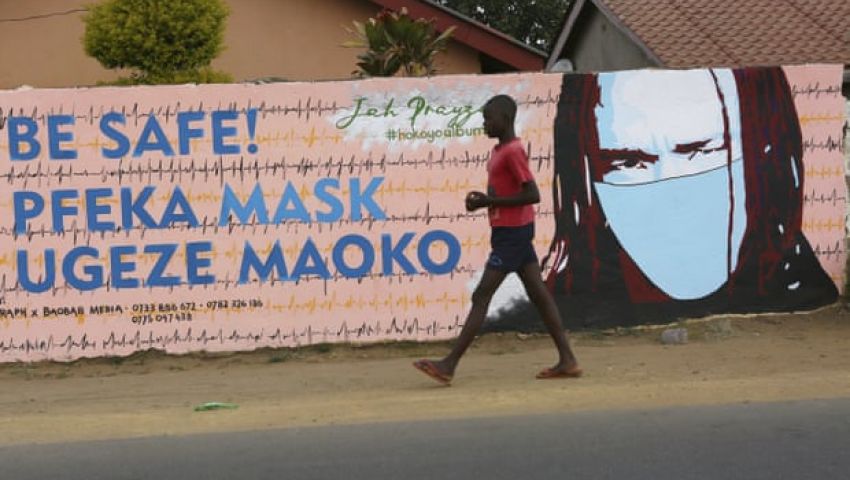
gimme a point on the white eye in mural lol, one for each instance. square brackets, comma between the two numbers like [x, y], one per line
[669, 175]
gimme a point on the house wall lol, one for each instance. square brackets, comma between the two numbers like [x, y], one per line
[598, 45]
[287, 39]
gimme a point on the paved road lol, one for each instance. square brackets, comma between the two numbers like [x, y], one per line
[798, 440]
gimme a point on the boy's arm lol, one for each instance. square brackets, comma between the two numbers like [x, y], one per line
[528, 195]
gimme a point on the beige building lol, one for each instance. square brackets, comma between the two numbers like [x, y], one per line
[41, 41]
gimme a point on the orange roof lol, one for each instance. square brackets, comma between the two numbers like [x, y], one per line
[690, 33]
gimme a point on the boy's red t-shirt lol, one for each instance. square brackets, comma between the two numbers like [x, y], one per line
[507, 170]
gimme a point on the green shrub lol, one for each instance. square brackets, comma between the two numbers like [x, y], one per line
[160, 41]
[394, 42]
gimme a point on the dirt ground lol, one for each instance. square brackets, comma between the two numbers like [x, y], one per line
[727, 360]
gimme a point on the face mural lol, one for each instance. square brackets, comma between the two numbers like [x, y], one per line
[669, 175]
[679, 193]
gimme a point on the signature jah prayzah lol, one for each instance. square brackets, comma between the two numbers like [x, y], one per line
[418, 107]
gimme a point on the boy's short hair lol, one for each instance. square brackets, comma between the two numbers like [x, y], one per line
[503, 104]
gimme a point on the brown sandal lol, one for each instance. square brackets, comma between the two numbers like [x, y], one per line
[428, 368]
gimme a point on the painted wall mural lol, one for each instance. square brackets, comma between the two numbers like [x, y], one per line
[234, 217]
[683, 193]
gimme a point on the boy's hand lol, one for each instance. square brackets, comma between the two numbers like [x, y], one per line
[476, 200]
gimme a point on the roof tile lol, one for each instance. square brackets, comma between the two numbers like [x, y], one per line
[689, 33]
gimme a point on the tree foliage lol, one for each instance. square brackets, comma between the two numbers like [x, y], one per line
[162, 41]
[395, 42]
[533, 22]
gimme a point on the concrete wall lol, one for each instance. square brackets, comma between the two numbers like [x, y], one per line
[386, 170]
[598, 45]
[289, 39]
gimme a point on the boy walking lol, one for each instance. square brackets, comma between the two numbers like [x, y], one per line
[511, 192]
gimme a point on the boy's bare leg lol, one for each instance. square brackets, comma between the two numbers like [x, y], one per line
[537, 292]
[487, 286]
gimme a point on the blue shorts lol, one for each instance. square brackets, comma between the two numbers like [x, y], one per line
[511, 248]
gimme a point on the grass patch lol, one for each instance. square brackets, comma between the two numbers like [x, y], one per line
[279, 358]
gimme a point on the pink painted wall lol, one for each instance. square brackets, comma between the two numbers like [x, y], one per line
[303, 133]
